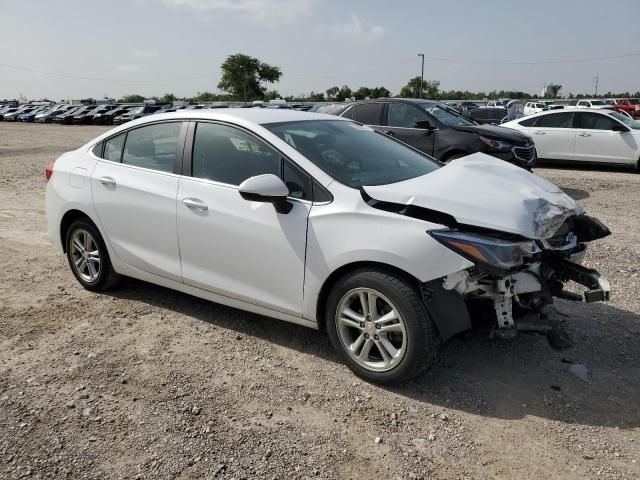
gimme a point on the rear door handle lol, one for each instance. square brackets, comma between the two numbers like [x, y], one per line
[540, 133]
[389, 132]
[107, 181]
[583, 134]
[195, 204]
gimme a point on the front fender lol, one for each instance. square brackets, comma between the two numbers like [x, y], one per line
[338, 238]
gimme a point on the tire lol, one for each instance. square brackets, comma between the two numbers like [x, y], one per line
[412, 335]
[94, 271]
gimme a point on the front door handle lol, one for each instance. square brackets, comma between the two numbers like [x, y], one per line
[540, 133]
[195, 204]
[107, 181]
[583, 134]
[389, 132]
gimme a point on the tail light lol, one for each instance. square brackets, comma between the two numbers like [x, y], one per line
[48, 171]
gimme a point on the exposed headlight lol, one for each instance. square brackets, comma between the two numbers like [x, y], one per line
[548, 218]
[494, 253]
[496, 144]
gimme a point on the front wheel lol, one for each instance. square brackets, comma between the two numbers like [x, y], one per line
[380, 327]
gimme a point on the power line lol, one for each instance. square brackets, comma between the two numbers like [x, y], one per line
[327, 77]
[117, 80]
[352, 74]
[543, 62]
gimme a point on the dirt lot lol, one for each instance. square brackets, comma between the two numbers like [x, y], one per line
[143, 382]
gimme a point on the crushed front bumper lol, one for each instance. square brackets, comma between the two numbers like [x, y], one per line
[516, 294]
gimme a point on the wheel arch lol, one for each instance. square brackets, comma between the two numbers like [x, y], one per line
[344, 270]
[447, 308]
[68, 218]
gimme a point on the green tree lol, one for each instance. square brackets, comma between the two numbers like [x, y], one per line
[412, 89]
[332, 93]
[272, 95]
[205, 97]
[553, 90]
[343, 93]
[378, 92]
[315, 97]
[168, 98]
[362, 93]
[243, 76]
[133, 98]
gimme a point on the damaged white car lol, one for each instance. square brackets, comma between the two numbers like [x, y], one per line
[322, 222]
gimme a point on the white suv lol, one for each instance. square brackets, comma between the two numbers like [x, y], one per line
[318, 221]
[534, 107]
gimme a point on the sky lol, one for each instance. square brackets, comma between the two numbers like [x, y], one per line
[151, 47]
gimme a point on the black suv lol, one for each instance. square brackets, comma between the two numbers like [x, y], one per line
[438, 130]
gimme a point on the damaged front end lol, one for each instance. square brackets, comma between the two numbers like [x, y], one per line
[516, 275]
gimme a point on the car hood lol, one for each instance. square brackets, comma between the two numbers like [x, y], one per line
[491, 131]
[480, 191]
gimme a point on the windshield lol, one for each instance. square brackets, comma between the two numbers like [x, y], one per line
[447, 115]
[597, 102]
[353, 154]
[137, 110]
[626, 119]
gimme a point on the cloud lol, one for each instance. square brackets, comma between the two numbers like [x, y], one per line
[144, 53]
[263, 11]
[359, 28]
[129, 68]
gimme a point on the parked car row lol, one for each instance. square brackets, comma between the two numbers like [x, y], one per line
[106, 114]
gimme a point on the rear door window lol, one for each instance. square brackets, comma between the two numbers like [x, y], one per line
[528, 122]
[153, 146]
[555, 120]
[367, 113]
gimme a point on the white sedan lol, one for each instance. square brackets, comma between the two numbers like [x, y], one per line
[322, 222]
[595, 136]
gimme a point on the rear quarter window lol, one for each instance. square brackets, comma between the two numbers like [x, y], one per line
[528, 122]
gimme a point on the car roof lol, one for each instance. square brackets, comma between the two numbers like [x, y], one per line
[400, 99]
[563, 110]
[258, 116]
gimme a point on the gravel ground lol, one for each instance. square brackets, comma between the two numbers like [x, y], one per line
[144, 382]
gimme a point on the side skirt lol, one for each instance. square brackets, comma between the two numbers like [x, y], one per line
[130, 271]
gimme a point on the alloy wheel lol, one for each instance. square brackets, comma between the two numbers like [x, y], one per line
[371, 329]
[85, 255]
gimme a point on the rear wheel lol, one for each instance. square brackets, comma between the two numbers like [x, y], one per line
[380, 327]
[88, 256]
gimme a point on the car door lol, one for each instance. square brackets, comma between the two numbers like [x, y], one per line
[134, 187]
[596, 141]
[231, 246]
[401, 120]
[554, 136]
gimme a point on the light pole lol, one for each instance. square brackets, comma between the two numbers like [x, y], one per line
[421, 74]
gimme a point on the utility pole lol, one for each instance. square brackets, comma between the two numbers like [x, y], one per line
[595, 79]
[421, 74]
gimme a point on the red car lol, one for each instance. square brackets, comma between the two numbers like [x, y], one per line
[628, 105]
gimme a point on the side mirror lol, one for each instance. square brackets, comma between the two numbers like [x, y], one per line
[266, 188]
[423, 125]
[619, 128]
